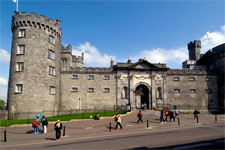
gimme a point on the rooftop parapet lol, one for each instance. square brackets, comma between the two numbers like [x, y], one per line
[185, 72]
[196, 43]
[33, 20]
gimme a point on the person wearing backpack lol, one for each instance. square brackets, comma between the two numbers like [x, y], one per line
[35, 125]
[44, 124]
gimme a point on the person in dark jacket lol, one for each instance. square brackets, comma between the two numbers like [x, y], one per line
[139, 115]
[172, 116]
[58, 128]
[44, 124]
[195, 113]
[161, 117]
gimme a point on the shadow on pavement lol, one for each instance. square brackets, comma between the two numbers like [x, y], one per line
[52, 139]
[216, 144]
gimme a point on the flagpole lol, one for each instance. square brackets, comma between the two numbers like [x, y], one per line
[17, 1]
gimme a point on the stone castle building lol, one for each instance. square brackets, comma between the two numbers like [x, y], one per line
[46, 77]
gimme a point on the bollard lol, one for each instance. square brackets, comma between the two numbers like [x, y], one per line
[197, 120]
[147, 124]
[110, 127]
[178, 119]
[5, 139]
[215, 117]
[64, 131]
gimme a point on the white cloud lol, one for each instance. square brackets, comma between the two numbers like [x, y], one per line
[92, 56]
[3, 82]
[4, 55]
[213, 39]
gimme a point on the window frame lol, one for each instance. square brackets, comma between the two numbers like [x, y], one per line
[21, 33]
[106, 91]
[51, 54]
[106, 77]
[50, 90]
[207, 79]
[19, 66]
[176, 78]
[90, 77]
[17, 91]
[74, 90]
[91, 91]
[51, 70]
[192, 91]
[192, 79]
[51, 39]
[176, 90]
[19, 49]
[74, 75]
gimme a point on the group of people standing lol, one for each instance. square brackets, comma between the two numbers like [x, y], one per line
[167, 113]
[44, 123]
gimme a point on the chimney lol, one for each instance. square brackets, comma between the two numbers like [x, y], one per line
[111, 62]
[129, 60]
[82, 54]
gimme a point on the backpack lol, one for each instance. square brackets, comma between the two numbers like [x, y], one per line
[34, 124]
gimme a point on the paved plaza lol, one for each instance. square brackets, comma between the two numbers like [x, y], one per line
[95, 134]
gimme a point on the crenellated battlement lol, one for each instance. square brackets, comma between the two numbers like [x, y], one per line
[77, 59]
[196, 43]
[32, 20]
[67, 49]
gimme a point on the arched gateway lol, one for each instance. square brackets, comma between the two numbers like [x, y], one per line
[143, 95]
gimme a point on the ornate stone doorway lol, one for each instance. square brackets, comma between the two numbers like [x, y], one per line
[142, 96]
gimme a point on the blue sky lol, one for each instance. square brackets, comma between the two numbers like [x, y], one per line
[158, 30]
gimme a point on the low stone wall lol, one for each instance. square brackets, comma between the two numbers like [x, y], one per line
[3, 114]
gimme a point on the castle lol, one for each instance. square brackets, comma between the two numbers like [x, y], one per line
[46, 78]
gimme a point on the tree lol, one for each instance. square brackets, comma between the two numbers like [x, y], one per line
[2, 104]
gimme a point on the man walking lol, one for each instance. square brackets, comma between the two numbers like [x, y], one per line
[118, 122]
[44, 123]
[139, 115]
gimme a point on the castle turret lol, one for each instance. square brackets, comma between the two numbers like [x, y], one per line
[194, 49]
[34, 69]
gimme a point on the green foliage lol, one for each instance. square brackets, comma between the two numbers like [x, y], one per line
[2, 104]
[65, 117]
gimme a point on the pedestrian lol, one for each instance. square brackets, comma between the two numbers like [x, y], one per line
[145, 106]
[195, 113]
[58, 128]
[118, 122]
[44, 123]
[166, 113]
[172, 116]
[96, 117]
[156, 113]
[35, 124]
[176, 113]
[139, 115]
[161, 117]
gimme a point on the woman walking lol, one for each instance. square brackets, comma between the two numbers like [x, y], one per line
[118, 122]
[58, 128]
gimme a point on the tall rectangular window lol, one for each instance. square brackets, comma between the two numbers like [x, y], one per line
[21, 49]
[51, 70]
[125, 92]
[90, 77]
[20, 66]
[19, 88]
[106, 90]
[22, 33]
[91, 90]
[51, 39]
[51, 54]
[52, 90]
[159, 93]
[176, 79]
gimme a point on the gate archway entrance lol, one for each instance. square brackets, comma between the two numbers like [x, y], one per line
[142, 95]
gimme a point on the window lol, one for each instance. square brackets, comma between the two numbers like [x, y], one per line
[63, 60]
[22, 33]
[52, 90]
[91, 90]
[74, 89]
[74, 76]
[191, 78]
[207, 79]
[125, 92]
[192, 90]
[159, 93]
[91, 77]
[51, 39]
[51, 54]
[21, 49]
[19, 88]
[106, 77]
[176, 90]
[51, 70]
[19, 66]
[208, 91]
[106, 90]
[176, 79]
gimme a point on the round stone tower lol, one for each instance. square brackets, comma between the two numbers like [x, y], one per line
[34, 66]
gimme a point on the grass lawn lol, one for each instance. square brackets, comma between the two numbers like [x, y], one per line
[65, 117]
